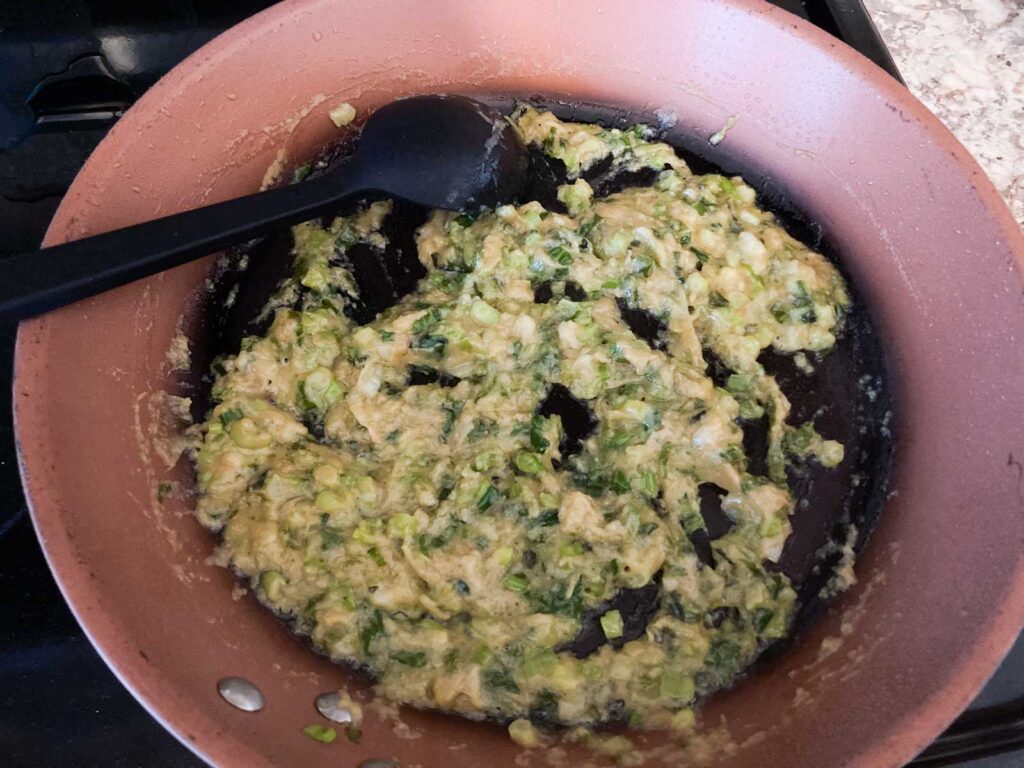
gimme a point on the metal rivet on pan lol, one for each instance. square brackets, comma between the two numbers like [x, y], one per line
[377, 762]
[239, 692]
[327, 704]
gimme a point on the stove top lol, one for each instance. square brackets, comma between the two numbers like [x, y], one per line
[71, 68]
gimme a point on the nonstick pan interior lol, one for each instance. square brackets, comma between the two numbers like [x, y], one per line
[846, 393]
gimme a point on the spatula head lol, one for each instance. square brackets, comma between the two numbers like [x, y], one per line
[441, 151]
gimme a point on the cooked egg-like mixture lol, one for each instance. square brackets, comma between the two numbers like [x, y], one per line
[406, 490]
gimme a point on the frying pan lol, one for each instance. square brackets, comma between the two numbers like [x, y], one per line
[936, 258]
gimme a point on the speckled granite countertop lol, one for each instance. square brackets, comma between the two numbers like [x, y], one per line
[965, 60]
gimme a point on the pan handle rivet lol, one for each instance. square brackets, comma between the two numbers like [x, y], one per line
[327, 704]
[240, 693]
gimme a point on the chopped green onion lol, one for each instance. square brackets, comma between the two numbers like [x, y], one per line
[537, 439]
[611, 623]
[649, 484]
[715, 300]
[272, 582]
[732, 454]
[430, 343]
[542, 663]
[546, 518]
[702, 256]
[428, 320]
[504, 555]
[230, 416]
[373, 629]
[561, 255]
[330, 538]
[484, 313]
[570, 549]
[410, 658]
[674, 685]
[619, 483]
[499, 678]
[245, 433]
[366, 532]
[320, 733]
[621, 438]
[401, 525]
[589, 225]
[489, 495]
[329, 501]
[517, 582]
[320, 389]
[761, 618]
[528, 463]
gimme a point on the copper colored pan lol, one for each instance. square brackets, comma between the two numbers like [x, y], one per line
[933, 251]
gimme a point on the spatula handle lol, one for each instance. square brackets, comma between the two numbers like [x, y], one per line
[33, 283]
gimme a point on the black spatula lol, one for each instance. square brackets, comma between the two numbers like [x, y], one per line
[438, 151]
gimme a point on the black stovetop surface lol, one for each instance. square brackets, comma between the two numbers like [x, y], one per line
[70, 67]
